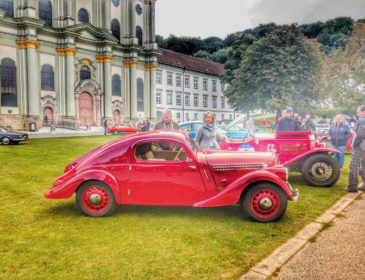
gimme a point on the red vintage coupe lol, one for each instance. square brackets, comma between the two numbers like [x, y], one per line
[123, 128]
[167, 168]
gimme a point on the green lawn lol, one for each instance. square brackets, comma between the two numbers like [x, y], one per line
[51, 239]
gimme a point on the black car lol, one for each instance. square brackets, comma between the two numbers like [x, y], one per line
[8, 137]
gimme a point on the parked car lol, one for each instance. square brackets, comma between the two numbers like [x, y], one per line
[190, 127]
[296, 150]
[136, 170]
[123, 128]
[9, 137]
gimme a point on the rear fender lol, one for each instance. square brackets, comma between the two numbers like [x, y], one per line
[231, 194]
[314, 151]
[66, 189]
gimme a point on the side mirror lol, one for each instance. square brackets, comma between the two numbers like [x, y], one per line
[188, 160]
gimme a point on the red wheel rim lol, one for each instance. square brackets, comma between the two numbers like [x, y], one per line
[265, 203]
[95, 199]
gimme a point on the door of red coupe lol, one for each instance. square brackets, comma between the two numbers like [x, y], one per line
[164, 173]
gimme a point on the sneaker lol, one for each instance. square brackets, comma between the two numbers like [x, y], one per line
[350, 190]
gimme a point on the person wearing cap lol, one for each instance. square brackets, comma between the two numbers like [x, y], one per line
[288, 123]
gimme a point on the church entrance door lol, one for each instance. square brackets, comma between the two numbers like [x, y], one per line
[48, 116]
[116, 117]
[86, 111]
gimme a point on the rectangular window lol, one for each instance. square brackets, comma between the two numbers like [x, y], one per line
[187, 100]
[195, 116]
[196, 83]
[214, 101]
[196, 100]
[222, 87]
[230, 117]
[178, 99]
[187, 81]
[178, 115]
[214, 86]
[222, 117]
[187, 116]
[205, 100]
[158, 77]
[169, 79]
[169, 99]
[223, 102]
[178, 80]
[205, 84]
[158, 98]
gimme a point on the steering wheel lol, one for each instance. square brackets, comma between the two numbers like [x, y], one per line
[177, 155]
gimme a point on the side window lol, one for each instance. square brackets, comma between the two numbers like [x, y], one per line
[159, 151]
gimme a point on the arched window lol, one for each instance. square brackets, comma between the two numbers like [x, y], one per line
[116, 29]
[85, 73]
[47, 78]
[139, 35]
[140, 95]
[8, 83]
[45, 11]
[116, 85]
[83, 16]
[8, 7]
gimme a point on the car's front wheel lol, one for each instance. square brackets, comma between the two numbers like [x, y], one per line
[116, 132]
[95, 199]
[264, 202]
[5, 140]
[321, 170]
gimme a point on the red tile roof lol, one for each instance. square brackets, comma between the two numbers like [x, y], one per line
[190, 62]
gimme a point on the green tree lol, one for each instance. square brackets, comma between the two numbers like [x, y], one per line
[346, 73]
[281, 69]
[203, 55]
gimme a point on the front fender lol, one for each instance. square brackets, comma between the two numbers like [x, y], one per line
[66, 189]
[232, 193]
[314, 151]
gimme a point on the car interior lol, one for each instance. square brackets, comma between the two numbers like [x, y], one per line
[153, 151]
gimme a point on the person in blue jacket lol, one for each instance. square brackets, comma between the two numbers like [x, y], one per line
[287, 123]
[339, 133]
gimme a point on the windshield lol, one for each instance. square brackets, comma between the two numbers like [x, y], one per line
[191, 143]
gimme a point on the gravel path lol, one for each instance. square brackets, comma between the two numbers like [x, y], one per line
[338, 252]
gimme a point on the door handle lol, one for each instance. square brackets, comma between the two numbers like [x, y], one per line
[192, 167]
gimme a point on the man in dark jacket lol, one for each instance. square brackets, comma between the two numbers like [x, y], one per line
[287, 123]
[339, 133]
[357, 164]
[309, 124]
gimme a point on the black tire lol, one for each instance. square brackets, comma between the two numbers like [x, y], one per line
[252, 203]
[115, 132]
[5, 140]
[105, 207]
[321, 170]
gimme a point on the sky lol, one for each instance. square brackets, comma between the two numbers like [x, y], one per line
[205, 18]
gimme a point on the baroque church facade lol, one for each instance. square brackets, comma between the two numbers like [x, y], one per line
[77, 63]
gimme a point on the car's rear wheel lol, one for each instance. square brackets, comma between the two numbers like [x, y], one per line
[5, 140]
[115, 132]
[264, 202]
[321, 170]
[95, 199]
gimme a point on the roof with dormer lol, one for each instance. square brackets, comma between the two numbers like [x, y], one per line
[191, 63]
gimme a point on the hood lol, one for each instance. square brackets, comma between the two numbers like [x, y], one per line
[233, 160]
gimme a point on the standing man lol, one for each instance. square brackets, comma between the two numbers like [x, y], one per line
[357, 165]
[105, 127]
[167, 122]
[309, 124]
[339, 133]
[287, 123]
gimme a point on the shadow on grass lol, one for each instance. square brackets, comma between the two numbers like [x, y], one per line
[69, 209]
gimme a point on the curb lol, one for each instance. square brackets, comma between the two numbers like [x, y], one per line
[285, 252]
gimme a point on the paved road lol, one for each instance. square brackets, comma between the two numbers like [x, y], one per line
[338, 253]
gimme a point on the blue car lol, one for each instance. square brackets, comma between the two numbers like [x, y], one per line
[190, 127]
